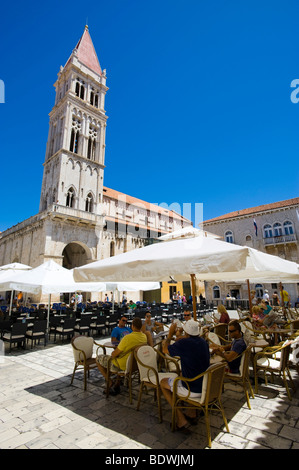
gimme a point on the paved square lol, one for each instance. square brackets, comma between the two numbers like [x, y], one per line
[39, 409]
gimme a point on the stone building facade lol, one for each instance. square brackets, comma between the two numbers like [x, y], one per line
[271, 228]
[80, 220]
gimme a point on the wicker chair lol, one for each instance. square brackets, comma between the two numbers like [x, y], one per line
[210, 398]
[274, 359]
[243, 376]
[146, 358]
[83, 355]
[129, 374]
[220, 329]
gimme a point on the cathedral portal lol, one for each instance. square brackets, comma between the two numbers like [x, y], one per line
[74, 255]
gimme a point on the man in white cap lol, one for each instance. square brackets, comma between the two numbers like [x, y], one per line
[195, 358]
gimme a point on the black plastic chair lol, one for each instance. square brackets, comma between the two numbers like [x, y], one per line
[5, 327]
[98, 324]
[16, 335]
[84, 325]
[55, 322]
[66, 328]
[111, 322]
[38, 332]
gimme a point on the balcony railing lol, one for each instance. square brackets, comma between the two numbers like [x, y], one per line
[280, 239]
[75, 213]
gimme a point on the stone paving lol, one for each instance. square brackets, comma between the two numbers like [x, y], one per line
[39, 409]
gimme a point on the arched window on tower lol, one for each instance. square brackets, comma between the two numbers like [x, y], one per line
[94, 98]
[74, 141]
[75, 135]
[80, 88]
[89, 203]
[70, 198]
[91, 148]
[91, 97]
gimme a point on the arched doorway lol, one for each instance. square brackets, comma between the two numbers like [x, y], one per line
[74, 255]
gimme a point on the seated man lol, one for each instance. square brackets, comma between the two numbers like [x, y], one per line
[180, 330]
[120, 331]
[132, 305]
[121, 353]
[231, 351]
[195, 359]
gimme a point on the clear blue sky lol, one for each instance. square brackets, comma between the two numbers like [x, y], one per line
[199, 98]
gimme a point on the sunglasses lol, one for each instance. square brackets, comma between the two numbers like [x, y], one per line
[232, 331]
[187, 315]
[125, 321]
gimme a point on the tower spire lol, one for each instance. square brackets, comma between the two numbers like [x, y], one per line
[85, 52]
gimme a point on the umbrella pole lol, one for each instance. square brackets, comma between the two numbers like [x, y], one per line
[48, 318]
[113, 302]
[249, 297]
[193, 290]
[10, 303]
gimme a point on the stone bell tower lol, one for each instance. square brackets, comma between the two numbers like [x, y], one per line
[75, 154]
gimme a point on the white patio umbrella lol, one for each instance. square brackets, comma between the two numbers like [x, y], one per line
[49, 278]
[8, 272]
[131, 287]
[205, 257]
[15, 267]
[187, 232]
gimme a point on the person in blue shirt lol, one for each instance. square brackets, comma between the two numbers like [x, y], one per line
[120, 331]
[195, 358]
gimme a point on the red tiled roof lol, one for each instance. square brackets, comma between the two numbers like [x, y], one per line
[86, 53]
[113, 194]
[255, 210]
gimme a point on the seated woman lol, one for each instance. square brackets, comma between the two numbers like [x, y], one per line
[270, 320]
[151, 326]
[224, 316]
[266, 306]
[257, 315]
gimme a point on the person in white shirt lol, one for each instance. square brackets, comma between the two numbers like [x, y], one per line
[266, 295]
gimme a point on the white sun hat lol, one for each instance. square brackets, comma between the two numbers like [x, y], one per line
[192, 328]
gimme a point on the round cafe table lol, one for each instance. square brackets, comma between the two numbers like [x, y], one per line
[109, 344]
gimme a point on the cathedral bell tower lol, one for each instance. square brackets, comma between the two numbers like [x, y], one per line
[75, 154]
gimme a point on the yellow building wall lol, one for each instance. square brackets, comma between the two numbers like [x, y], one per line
[168, 289]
